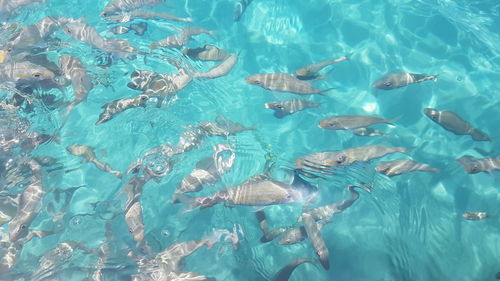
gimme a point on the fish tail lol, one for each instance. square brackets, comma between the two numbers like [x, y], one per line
[322, 92]
[434, 77]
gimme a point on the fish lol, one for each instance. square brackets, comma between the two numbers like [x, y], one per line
[475, 215]
[284, 108]
[30, 204]
[450, 121]
[89, 156]
[143, 14]
[159, 85]
[283, 82]
[349, 122]
[322, 161]
[317, 241]
[285, 273]
[74, 70]
[473, 165]
[262, 193]
[24, 71]
[399, 167]
[222, 127]
[208, 170]
[206, 53]
[264, 227]
[179, 40]
[398, 80]
[310, 72]
[219, 70]
[367, 132]
[119, 29]
[116, 6]
[117, 106]
[239, 8]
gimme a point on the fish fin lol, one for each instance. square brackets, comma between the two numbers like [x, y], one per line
[322, 92]
[391, 121]
[279, 115]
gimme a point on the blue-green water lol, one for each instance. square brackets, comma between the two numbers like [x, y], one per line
[409, 228]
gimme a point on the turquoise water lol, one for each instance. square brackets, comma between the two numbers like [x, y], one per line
[409, 228]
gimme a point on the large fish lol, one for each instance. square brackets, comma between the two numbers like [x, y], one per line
[206, 53]
[24, 71]
[117, 106]
[317, 241]
[240, 8]
[399, 167]
[144, 14]
[219, 70]
[285, 273]
[398, 80]
[30, 204]
[159, 85]
[473, 165]
[349, 122]
[455, 124]
[310, 72]
[180, 39]
[116, 6]
[284, 108]
[72, 67]
[283, 82]
[89, 156]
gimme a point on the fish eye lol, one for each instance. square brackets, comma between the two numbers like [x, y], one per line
[279, 106]
[474, 168]
[36, 75]
[341, 159]
[23, 226]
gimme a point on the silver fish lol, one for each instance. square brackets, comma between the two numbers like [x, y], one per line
[89, 156]
[144, 14]
[452, 122]
[180, 39]
[398, 80]
[314, 235]
[283, 82]
[294, 235]
[159, 85]
[367, 132]
[30, 204]
[219, 70]
[399, 167]
[310, 72]
[24, 71]
[74, 70]
[349, 122]
[206, 53]
[240, 8]
[475, 215]
[208, 170]
[117, 106]
[119, 30]
[284, 108]
[473, 165]
[321, 161]
[285, 273]
[116, 6]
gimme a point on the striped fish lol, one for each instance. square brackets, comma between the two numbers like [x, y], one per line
[283, 82]
[284, 108]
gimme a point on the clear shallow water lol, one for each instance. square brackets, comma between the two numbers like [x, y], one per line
[409, 228]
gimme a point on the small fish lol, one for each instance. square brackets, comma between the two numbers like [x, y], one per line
[206, 53]
[398, 80]
[89, 156]
[283, 82]
[117, 106]
[143, 14]
[317, 241]
[240, 8]
[348, 122]
[367, 132]
[473, 165]
[284, 108]
[219, 70]
[180, 39]
[24, 71]
[310, 72]
[119, 30]
[452, 122]
[139, 28]
[399, 167]
[475, 215]
[116, 6]
[159, 85]
[72, 67]
[285, 273]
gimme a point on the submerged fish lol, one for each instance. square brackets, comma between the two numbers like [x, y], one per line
[317, 241]
[24, 71]
[473, 165]
[398, 80]
[73, 69]
[119, 29]
[206, 53]
[475, 215]
[88, 155]
[284, 108]
[116, 6]
[219, 70]
[159, 85]
[117, 106]
[455, 124]
[348, 122]
[180, 39]
[283, 82]
[240, 8]
[399, 167]
[310, 72]
[264, 227]
[285, 273]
